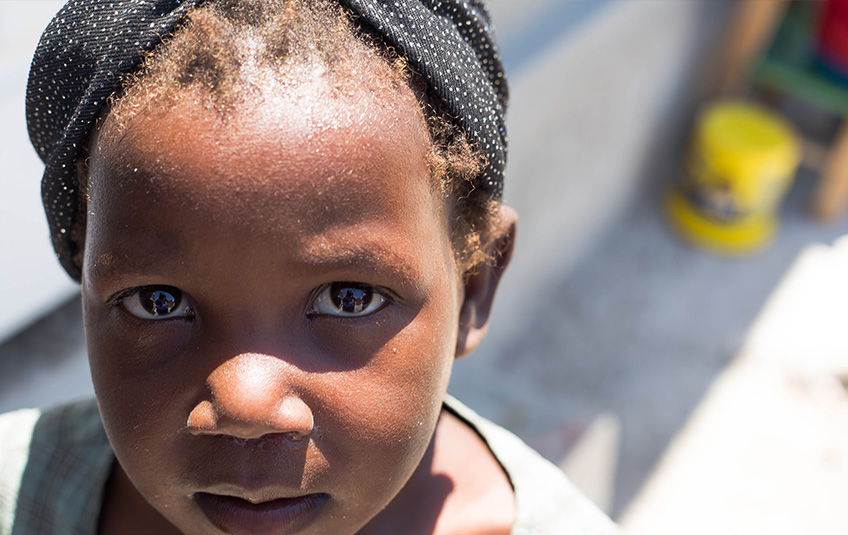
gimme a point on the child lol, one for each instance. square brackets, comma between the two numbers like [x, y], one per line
[286, 223]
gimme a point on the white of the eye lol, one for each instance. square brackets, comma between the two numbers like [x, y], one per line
[324, 304]
[132, 303]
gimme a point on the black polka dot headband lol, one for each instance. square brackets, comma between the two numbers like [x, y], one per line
[90, 44]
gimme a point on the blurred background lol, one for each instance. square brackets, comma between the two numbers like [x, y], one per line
[682, 390]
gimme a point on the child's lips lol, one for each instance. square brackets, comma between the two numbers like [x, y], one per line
[253, 514]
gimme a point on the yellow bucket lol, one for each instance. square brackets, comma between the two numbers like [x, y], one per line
[742, 161]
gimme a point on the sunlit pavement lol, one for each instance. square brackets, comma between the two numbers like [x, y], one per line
[766, 449]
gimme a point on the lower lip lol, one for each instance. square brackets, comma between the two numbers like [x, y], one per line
[280, 517]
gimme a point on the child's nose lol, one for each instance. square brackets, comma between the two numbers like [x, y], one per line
[251, 397]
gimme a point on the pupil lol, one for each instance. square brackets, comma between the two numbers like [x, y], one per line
[351, 299]
[159, 302]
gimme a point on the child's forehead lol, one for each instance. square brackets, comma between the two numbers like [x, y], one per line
[318, 161]
[304, 125]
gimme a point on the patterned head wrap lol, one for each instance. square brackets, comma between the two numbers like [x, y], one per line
[90, 44]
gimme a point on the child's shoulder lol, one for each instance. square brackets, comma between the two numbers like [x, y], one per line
[53, 465]
[15, 435]
[546, 501]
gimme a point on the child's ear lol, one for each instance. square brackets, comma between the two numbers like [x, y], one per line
[481, 282]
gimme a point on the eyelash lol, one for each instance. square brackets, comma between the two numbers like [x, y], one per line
[342, 299]
[177, 302]
[378, 299]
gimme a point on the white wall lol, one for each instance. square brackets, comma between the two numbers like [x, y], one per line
[593, 117]
[31, 281]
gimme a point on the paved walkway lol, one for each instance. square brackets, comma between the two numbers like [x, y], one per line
[766, 450]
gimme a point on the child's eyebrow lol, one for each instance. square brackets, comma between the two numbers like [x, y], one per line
[112, 266]
[366, 256]
[404, 267]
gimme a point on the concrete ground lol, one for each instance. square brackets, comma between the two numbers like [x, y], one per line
[766, 448]
[609, 331]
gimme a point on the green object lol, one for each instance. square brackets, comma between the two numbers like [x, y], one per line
[789, 66]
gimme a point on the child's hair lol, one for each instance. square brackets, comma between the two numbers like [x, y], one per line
[224, 45]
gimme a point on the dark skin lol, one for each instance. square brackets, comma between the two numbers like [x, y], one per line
[247, 379]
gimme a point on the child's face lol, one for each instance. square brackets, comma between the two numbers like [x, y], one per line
[227, 368]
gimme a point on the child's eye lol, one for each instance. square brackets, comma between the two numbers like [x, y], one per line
[347, 299]
[156, 303]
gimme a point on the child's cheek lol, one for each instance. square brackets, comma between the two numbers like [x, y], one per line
[134, 363]
[132, 347]
[355, 343]
[388, 407]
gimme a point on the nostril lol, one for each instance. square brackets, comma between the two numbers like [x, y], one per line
[294, 418]
[203, 418]
[294, 436]
[288, 416]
